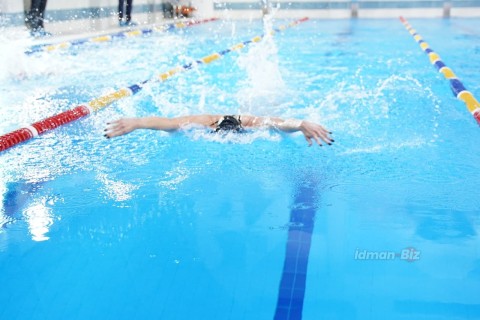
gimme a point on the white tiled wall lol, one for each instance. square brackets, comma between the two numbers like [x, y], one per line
[14, 6]
[205, 8]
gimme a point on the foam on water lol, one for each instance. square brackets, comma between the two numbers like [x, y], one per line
[231, 137]
[172, 178]
[115, 189]
[378, 148]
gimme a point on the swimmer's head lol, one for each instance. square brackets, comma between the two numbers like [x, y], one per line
[229, 124]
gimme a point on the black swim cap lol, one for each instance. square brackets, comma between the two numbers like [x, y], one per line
[229, 123]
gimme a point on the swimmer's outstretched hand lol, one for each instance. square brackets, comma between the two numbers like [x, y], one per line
[316, 132]
[121, 127]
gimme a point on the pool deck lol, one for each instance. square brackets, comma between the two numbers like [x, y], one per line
[85, 28]
[65, 30]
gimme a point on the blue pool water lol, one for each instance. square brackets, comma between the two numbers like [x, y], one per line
[381, 225]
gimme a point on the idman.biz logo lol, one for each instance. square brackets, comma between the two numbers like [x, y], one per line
[408, 254]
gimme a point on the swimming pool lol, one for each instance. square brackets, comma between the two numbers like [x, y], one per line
[381, 225]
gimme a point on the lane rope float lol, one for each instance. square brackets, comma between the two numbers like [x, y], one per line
[115, 36]
[34, 130]
[456, 85]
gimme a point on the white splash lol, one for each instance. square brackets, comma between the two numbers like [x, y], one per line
[263, 85]
[12, 58]
[233, 137]
[18, 66]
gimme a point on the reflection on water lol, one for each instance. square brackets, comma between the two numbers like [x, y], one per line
[39, 218]
[21, 202]
[444, 225]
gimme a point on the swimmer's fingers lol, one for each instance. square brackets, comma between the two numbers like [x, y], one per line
[317, 139]
[309, 136]
[317, 132]
[120, 127]
[323, 130]
[309, 140]
[323, 133]
[325, 137]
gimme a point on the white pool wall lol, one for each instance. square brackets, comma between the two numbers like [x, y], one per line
[67, 16]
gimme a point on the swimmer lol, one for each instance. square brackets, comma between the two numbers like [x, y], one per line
[313, 132]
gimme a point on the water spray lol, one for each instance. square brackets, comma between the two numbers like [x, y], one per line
[34, 130]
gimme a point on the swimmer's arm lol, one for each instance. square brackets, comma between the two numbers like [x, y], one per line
[311, 130]
[127, 125]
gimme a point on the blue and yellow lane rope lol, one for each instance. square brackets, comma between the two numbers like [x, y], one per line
[456, 85]
[115, 36]
[106, 100]
[18, 136]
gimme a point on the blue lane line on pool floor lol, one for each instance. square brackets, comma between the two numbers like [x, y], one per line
[292, 285]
